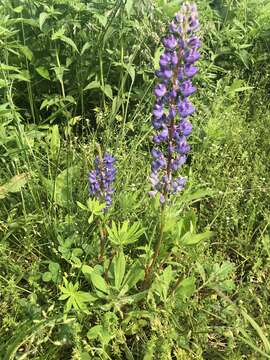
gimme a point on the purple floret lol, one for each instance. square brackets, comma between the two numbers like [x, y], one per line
[170, 42]
[160, 90]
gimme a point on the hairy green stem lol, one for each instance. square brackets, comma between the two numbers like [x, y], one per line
[149, 269]
[102, 242]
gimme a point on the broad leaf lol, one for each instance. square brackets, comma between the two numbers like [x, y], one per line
[42, 71]
[14, 184]
[54, 141]
[119, 269]
[135, 274]
[186, 287]
[193, 239]
[99, 282]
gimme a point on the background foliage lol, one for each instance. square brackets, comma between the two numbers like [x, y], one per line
[73, 73]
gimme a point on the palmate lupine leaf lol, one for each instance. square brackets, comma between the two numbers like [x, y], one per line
[124, 234]
[75, 299]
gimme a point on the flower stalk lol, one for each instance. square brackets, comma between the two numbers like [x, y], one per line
[100, 186]
[172, 106]
[101, 179]
[170, 112]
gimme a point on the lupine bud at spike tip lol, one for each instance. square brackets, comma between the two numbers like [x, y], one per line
[172, 106]
[102, 178]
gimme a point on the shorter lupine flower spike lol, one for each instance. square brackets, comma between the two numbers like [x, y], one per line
[102, 178]
[172, 106]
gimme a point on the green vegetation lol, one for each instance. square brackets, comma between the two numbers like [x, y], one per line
[77, 73]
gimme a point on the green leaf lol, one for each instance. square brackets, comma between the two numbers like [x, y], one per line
[238, 85]
[59, 35]
[60, 190]
[42, 71]
[131, 71]
[47, 276]
[85, 47]
[259, 331]
[125, 234]
[42, 18]
[90, 219]
[192, 197]
[27, 52]
[63, 297]
[201, 271]
[95, 206]
[156, 58]
[59, 72]
[128, 6]
[85, 356]
[24, 75]
[54, 267]
[23, 333]
[76, 299]
[119, 269]
[77, 252]
[70, 42]
[14, 185]
[5, 67]
[17, 182]
[96, 85]
[63, 185]
[135, 274]
[92, 85]
[87, 270]
[99, 282]
[226, 285]
[82, 206]
[54, 141]
[28, 21]
[244, 88]
[170, 8]
[94, 332]
[193, 239]
[221, 272]
[83, 296]
[18, 9]
[107, 91]
[186, 287]
[101, 18]
[100, 332]
[162, 283]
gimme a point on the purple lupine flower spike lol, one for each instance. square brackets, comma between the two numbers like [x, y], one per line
[102, 178]
[173, 106]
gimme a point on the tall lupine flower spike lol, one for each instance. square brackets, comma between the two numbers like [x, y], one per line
[102, 178]
[172, 107]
